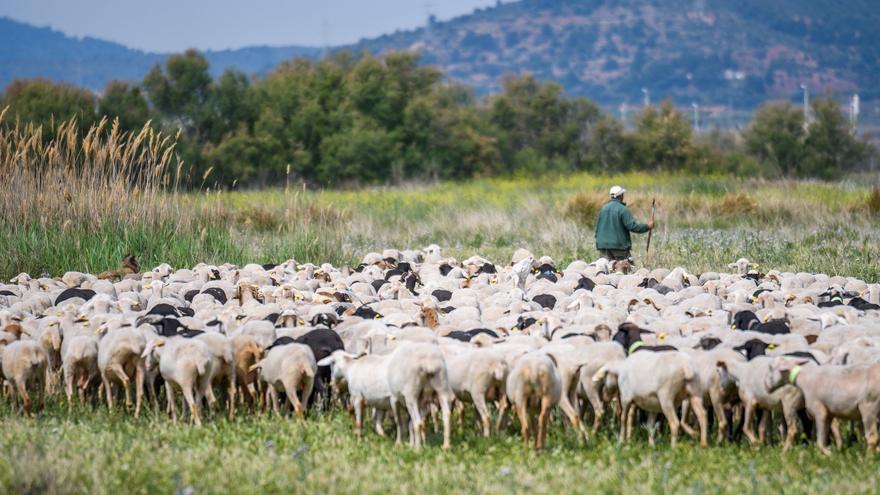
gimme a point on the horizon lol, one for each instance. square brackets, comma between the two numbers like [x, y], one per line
[272, 23]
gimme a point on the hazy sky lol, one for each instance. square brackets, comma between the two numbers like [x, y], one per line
[173, 25]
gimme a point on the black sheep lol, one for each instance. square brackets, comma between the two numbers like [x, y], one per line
[74, 292]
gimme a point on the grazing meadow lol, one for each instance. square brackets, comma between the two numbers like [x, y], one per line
[82, 204]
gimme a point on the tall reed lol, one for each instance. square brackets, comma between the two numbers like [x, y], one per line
[105, 178]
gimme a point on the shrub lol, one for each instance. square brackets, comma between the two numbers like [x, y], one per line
[583, 208]
[734, 205]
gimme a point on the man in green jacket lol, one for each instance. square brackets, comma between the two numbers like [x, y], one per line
[614, 225]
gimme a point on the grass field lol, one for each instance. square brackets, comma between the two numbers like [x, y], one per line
[69, 206]
[92, 451]
[704, 223]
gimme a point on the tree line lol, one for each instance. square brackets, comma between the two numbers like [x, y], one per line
[350, 119]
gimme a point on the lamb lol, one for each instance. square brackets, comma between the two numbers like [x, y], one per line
[596, 356]
[223, 368]
[185, 365]
[79, 363]
[366, 378]
[289, 368]
[845, 392]
[749, 377]
[119, 360]
[246, 352]
[477, 375]
[419, 369]
[533, 383]
[24, 363]
[655, 382]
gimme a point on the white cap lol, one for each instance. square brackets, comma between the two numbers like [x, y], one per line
[617, 191]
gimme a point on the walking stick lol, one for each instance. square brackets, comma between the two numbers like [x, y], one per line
[648, 245]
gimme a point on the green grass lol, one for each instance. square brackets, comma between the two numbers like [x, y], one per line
[92, 451]
[703, 224]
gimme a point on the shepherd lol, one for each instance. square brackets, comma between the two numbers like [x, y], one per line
[614, 225]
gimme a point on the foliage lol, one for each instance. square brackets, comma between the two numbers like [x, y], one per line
[347, 120]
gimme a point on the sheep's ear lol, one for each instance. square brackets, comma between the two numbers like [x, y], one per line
[327, 361]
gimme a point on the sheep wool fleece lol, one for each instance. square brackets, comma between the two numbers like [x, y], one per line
[614, 225]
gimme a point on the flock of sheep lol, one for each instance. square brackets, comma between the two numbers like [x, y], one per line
[414, 335]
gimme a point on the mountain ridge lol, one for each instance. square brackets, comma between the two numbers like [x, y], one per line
[733, 53]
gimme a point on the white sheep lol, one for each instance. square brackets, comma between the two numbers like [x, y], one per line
[290, 369]
[419, 369]
[25, 363]
[533, 384]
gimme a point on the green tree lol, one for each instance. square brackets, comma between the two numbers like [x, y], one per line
[776, 137]
[125, 102]
[46, 104]
[180, 91]
[663, 138]
[831, 146]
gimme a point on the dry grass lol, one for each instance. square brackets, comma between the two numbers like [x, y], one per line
[583, 207]
[69, 181]
[873, 202]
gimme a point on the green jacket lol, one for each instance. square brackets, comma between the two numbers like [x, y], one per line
[614, 225]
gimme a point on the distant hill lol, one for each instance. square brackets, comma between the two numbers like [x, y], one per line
[29, 51]
[724, 52]
[733, 52]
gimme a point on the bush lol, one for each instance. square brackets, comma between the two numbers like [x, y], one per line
[583, 208]
[737, 204]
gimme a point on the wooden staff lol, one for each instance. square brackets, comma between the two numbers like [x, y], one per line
[653, 212]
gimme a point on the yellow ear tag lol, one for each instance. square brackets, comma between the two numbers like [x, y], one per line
[661, 336]
[771, 346]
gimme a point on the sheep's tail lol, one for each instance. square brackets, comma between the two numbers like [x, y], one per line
[688, 370]
[202, 366]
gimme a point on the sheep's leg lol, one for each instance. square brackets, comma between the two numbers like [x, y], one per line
[395, 415]
[193, 405]
[378, 419]
[139, 373]
[720, 418]
[790, 415]
[358, 403]
[669, 411]
[412, 407]
[835, 432]
[273, 398]
[702, 420]
[446, 413]
[171, 408]
[571, 414]
[598, 409]
[459, 414]
[542, 422]
[685, 411]
[21, 387]
[823, 420]
[308, 383]
[230, 390]
[869, 423]
[501, 422]
[630, 417]
[483, 410]
[523, 422]
[652, 427]
[762, 426]
[747, 422]
[108, 389]
[68, 389]
[623, 438]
